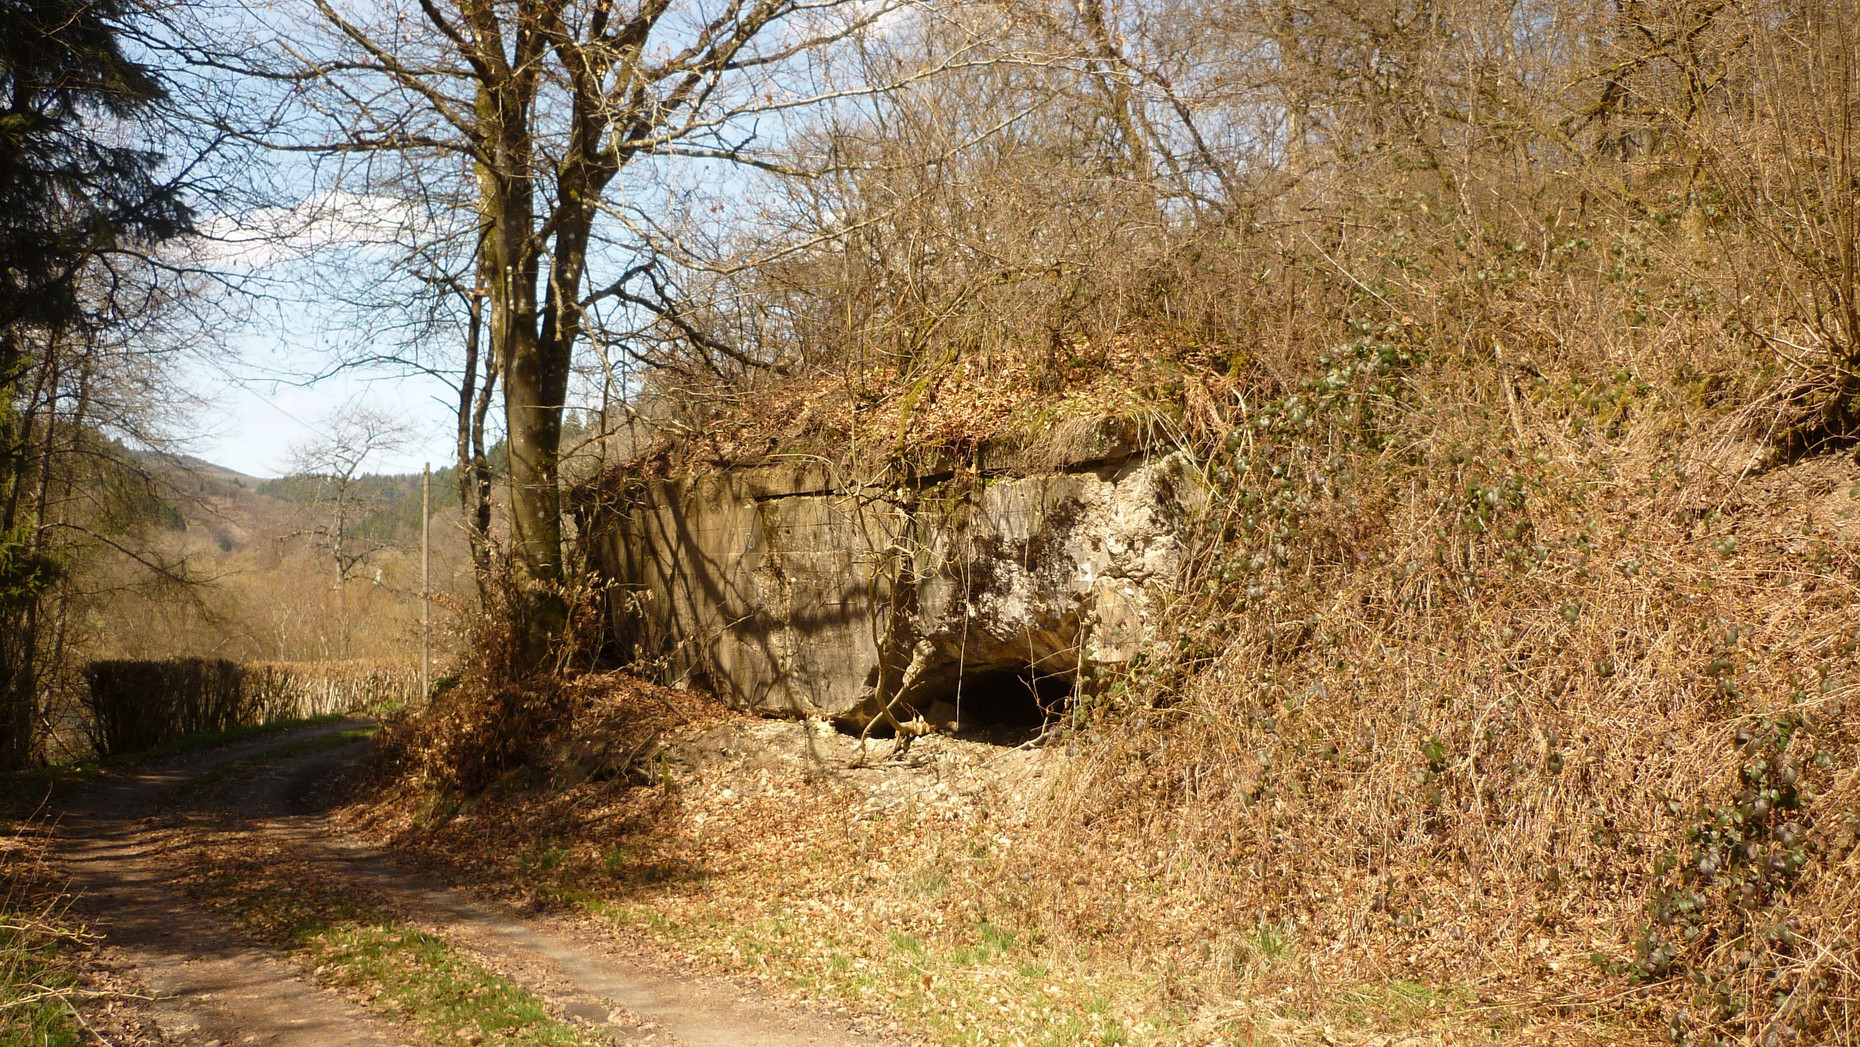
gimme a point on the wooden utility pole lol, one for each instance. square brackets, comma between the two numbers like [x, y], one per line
[426, 585]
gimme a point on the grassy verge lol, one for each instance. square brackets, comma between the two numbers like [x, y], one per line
[38, 983]
[981, 984]
[921, 913]
[398, 970]
[921, 923]
[969, 978]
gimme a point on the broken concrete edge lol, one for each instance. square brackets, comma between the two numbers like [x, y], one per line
[1081, 444]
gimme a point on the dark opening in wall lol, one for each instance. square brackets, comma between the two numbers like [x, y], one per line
[1008, 698]
[1000, 706]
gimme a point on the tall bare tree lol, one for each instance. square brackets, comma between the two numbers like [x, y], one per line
[333, 463]
[547, 102]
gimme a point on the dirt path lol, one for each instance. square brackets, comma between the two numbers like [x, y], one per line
[215, 984]
[211, 983]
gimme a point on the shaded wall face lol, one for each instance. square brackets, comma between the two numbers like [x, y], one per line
[782, 594]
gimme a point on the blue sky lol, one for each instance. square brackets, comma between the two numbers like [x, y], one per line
[265, 383]
[256, 420]
[269, 369]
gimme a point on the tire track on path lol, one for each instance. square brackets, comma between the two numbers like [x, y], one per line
[635, 999]
[216, 984]
[212, 983]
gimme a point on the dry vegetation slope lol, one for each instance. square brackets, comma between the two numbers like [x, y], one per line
[1508, 695]
[1548, 696]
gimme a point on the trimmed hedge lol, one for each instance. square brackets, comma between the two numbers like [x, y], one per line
[139, 704]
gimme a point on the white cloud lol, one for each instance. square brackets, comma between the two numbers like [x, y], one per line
[265, 237]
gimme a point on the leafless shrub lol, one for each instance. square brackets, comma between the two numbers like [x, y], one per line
[44, 996]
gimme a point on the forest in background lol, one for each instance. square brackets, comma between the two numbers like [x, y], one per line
[268, 585]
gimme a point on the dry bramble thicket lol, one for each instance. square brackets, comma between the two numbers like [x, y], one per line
[1516, 343]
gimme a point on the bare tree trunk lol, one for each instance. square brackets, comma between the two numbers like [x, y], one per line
[474, 467]
[24, 532]
[535, 370]
[535, 346]
[1114, 81]
[548, 100]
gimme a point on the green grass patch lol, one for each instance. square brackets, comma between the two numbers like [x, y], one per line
[38, 984]
[215, 739]
[989, 986]
[405, 972]
[1401, 1004]
[321, 743]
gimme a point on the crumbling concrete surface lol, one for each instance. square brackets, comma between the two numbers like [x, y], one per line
[790, 590]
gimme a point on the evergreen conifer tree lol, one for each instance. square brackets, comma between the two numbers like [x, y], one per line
[71, 190]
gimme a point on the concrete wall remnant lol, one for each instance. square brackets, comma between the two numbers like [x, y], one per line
[789, 591]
